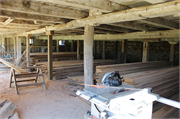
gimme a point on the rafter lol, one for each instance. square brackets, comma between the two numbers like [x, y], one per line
[10, 19]
[41, 9]
[25, 16]
[133, 14]
[133, 25]
[161, 22]
[101, 5]
[111, 28]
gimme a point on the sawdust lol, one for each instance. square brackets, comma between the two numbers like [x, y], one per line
[35, 102]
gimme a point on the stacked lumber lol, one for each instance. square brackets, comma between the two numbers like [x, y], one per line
[164, 82]
[62, 69]
[128, 68]
[7, 110]
[40, 57]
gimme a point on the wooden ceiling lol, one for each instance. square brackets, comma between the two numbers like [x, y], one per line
[23, 16]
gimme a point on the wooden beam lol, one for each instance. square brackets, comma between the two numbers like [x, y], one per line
[124, 50]
[57, 46]
[88, 55]
[78, 50]
[50, 58]
[104, 49]
[28, 50]
[151, 40]
[156, 1]
[26, 16]
[171, 58]
[101, 5]
[41, 9]
[145, 52]
[111, 28]
[10, 19]
[163, 9]
[135, 36]
[15, 47]
[133, 25]
[161, 22]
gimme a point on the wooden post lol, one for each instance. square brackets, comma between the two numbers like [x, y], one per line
[78, 50]
[145, 52]
[88, 54]
[28, 50]
[124, 50]
[72, 46]
[171, 57]
[50, 58]
[8, 45]
[18, 40]
[15, 47]
[104, 51]
[57, 46]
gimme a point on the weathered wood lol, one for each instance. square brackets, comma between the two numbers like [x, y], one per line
[101, 5]
[7, 110]
[164, 9]
[151, 40]
[41, 9]
[10, 19]
[78, 50]
[165, 35]
[16, 68]
[171, 52]
[104, 49]
[28, 49]
[18, 40]
[124, 50]
[145, 52]
[88, 54]
[50, 65]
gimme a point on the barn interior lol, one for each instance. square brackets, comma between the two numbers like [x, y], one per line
[71, 44]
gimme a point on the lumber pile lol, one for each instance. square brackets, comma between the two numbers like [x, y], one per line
[62, 69]
[40, 57]
[7, 110]
[128, 68]
[164, 82]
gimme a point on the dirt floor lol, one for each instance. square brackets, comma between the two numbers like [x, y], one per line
[35, 102]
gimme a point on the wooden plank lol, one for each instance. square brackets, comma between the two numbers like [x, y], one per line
[41, 9]
[159, 10]
[7, 110]
[16, 68]
[24, 85]
[101, 5]
[145, 52]
[10, 19]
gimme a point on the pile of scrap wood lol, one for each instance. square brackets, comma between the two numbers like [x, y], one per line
[7, 110]
[62, 69]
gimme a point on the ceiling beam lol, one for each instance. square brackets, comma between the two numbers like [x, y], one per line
[9, 20]
[130, 36]
[111, 28]
[101, 5]
[25, 16]
[41, 9]
[161, 22]
[156, 1]
[164, 9]
[133, 25]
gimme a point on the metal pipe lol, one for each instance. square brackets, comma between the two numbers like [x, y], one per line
[169, 102]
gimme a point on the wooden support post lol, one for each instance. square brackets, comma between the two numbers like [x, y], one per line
[78, 50]
[57, 46]
[145, 52]
[28, 50]
[171, 57]
[18, 40]
[72, 46]
[88, 54]
[104, 51]
[15, 48]
[50, 58]
[124, 50]
[8, 45]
